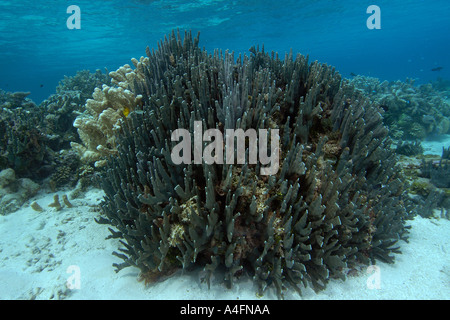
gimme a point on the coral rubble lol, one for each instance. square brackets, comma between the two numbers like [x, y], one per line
[337, 200]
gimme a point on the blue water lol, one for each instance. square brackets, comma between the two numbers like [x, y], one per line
[37, 48]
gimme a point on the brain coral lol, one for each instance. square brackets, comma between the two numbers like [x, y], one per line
[337, 200]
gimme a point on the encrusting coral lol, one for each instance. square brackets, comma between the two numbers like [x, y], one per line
[336, 201]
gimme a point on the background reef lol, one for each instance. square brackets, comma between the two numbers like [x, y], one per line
[338, 199]
[411, 112]
[35, 140]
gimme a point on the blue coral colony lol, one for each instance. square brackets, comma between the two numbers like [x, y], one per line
[340, 198]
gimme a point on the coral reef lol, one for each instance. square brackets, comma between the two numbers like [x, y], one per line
[67, 103]
[33, 136]
[83, 83]
[13, 100]
[23, 144]
[337, 200]
[35, 140]
[411, 111]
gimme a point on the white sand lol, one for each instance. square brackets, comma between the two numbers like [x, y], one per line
[434, 145]
[37, 248]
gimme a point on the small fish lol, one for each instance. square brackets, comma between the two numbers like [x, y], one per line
[41, 85]
[437, 69]
[353, 74]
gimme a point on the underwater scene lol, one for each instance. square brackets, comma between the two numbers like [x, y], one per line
[224, 150]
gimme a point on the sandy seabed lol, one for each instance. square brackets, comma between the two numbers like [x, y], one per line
[64, 255]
